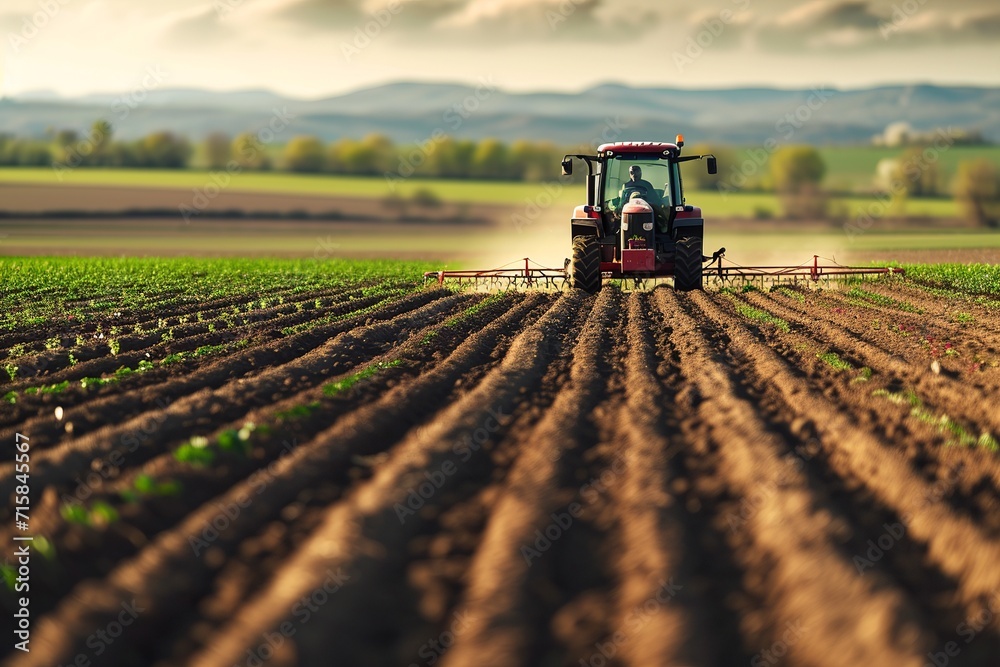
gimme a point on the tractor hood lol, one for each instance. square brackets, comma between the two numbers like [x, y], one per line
[637, 206]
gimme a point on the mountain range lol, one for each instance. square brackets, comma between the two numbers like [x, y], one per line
[410, 112]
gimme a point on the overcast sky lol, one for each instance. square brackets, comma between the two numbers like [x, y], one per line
[312, 48]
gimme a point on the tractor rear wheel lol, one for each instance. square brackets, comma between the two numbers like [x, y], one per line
[585, 267]
[687, 263]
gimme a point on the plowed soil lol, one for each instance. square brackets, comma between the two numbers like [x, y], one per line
[634, 478]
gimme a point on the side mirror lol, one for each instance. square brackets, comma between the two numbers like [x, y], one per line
[567, 167]
[713, 165]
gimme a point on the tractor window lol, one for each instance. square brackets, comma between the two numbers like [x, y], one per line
[655, 173]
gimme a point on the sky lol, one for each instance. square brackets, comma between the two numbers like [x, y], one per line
[317, 48]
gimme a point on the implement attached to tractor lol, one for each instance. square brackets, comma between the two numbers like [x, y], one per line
[630, 229]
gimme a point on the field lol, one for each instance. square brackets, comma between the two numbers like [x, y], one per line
[721, 204]
[245, 462]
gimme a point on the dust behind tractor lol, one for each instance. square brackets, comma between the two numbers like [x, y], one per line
[637, 226]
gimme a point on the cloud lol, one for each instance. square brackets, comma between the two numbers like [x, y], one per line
[205, 28]
[322, 14]
[478, 20]
[523, 20]
[858, 25]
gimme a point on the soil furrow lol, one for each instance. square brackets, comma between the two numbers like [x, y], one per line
[791, 530]
[182, 381]
[56, 466]
[658, 623]
[941, 392]
[346, 542]
[167, 573]
[541, 491]
[855, 454]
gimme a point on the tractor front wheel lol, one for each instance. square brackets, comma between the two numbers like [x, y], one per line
[687, 264]
[585, 266]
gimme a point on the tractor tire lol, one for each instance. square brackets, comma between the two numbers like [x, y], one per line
[585, 266]
[687, 264]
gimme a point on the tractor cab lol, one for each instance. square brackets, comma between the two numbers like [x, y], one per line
[631, 176]
[636, 222]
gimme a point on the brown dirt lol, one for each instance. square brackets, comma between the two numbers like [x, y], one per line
[627, 479]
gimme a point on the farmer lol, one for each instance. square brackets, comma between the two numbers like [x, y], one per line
[635, 183]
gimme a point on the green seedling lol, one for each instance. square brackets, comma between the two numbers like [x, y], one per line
[342, 386]
[758, 315]
[833, 360]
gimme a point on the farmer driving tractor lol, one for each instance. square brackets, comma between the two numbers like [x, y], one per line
[636, 184]
[638, 188]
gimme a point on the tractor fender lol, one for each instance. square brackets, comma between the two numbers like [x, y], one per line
[689, 227]
[587, 227]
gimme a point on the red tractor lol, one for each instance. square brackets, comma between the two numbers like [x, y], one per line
[632, 227]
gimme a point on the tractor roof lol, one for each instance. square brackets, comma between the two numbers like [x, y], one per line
[640, 147]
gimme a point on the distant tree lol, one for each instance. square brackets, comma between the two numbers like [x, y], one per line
[250, 153]
[796, 173]
[534, 161]
[794, 167]
[425, 198]
[918, 175]
[491, 160]
[24, 153]
[977, 190]
[65, 138]
[218, 150]
[304, 154]
[695, 174]
[373, 155]
[95, 147]
[164, 150]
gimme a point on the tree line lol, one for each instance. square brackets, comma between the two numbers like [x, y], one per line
[794, 173]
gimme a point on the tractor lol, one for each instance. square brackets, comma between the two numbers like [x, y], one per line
[631, 228]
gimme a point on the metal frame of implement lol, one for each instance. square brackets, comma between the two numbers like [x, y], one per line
[535, 275]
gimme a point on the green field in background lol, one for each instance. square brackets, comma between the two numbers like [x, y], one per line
[519, 194]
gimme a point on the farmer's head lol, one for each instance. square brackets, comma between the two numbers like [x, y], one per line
[635, 172]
